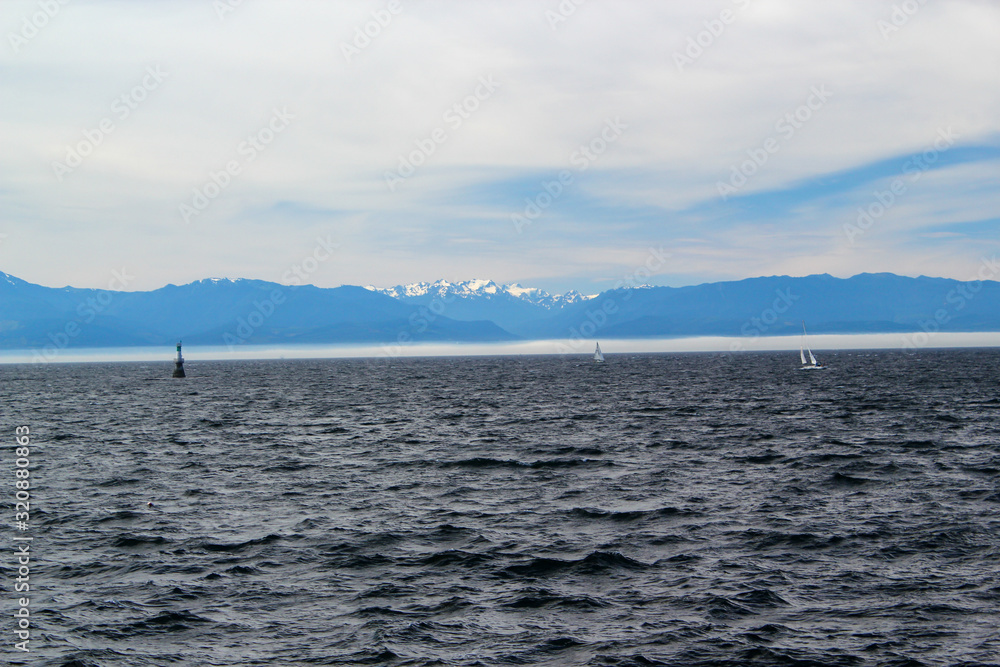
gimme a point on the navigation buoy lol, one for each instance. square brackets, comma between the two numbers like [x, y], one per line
[179, 363]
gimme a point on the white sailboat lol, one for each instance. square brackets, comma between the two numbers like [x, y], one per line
[803, 350]
[598, 356]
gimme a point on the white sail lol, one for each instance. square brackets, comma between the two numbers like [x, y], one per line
[803, 349]
[597, 353]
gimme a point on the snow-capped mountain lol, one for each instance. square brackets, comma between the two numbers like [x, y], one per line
[543, 298]
[479, 288]
[217, 311]
[226, 311]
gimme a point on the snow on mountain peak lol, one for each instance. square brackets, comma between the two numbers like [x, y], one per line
[9, 279]
[479, 287]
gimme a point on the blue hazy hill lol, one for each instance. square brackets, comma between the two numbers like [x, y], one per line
[233, 312]
[777, 305]
[218, 312]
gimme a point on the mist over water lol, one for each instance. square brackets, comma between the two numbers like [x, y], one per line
[907, 342]
[657, 509]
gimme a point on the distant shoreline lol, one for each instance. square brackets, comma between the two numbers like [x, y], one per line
[913, 342]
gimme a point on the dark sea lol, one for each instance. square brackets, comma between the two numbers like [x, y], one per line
[684, 510]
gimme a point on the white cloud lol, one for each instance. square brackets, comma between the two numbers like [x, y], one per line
[353, 121]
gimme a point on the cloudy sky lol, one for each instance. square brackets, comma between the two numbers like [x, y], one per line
[539, 142]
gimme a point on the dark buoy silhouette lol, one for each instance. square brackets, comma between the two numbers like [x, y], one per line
[179, 363]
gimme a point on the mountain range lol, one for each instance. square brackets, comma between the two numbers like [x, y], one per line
[221, 311]
[511, 307]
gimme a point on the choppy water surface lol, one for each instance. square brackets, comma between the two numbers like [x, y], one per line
[653, 510]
